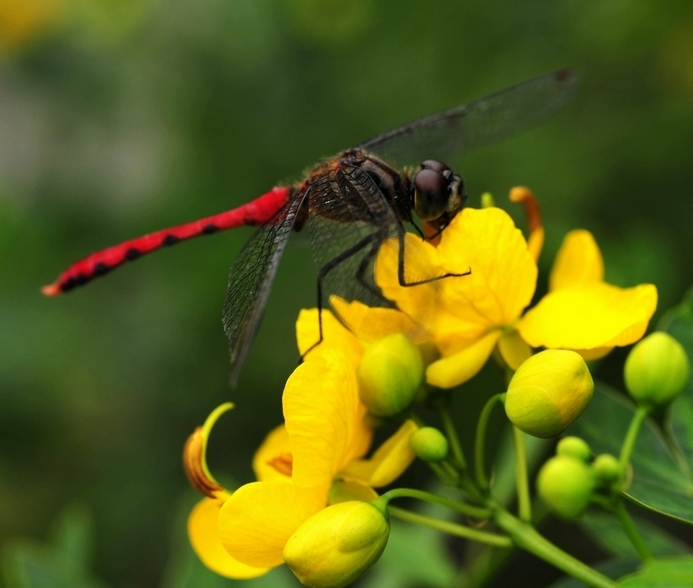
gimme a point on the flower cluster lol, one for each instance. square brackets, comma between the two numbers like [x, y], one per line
[314, 504]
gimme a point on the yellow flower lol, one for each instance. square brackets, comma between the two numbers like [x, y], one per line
[317, 454]
[467, 317]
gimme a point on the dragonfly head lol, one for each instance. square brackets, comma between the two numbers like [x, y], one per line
[439, 193]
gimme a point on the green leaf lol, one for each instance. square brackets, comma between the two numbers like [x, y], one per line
[661, 480]
[664, 573]
[606, 531]
[678, 322]
[59, 564]
[611, 569]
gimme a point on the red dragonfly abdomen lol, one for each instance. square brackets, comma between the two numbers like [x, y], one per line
[256, 212]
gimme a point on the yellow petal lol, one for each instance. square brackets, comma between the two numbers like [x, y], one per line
[335, 335]
[258, 519]
[594, 354]
[345, 491]
[504, 272]
[589, 316]
[387, 463]
[421, 264]
[203, 531]
[324, 417]
[578, 261]
[514, 349]
[455, 369]
[270, 454]
[371, 324]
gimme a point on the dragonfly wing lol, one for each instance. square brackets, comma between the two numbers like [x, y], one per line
[446, 135]
[250, 280]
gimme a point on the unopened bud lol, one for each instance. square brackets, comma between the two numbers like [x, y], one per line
[656, 370]
[337, 544]
[429, 444]
[565, 484]
[574, 447]
[607, 469]
[548, 392]
[390, 375]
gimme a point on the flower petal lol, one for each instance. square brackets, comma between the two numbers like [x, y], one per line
[334, 335]
[373, 323]
[387, 463]
[324, 417]
[203, 531]
[455, 369]
[421, 263]
[578, 261]
[589, 316]
[273, 449]
[513, 349]
[258, 519]
[503, 272]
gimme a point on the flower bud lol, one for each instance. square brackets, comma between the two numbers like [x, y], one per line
[656, 370]
[607, 469]
[337, 544]
[548, 392]
[565, 484]
[429, 444]
[574, 447]
[390, 375]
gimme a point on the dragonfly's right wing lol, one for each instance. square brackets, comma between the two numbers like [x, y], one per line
[250, 281]
[446, 135]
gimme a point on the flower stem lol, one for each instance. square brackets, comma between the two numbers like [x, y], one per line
[632, 531]
[451, 433]
[632, 435]
[523, 498]
[479, 445]
[528, 538]
[451, 528]
[466, 509]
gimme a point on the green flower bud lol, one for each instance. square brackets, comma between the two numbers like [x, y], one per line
[548, 392]
[390, 375]
[565, 484]
[429, 444]
[574, 447]
[656, 370]
[337, 544]
[607, 469]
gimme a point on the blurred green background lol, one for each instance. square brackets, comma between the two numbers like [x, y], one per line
[119, 118]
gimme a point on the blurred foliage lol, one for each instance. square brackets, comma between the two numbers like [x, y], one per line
[118, 118]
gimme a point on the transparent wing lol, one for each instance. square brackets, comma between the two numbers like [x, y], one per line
[446, 135]
[250, 280]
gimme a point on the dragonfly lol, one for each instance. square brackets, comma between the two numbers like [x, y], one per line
[351, 203]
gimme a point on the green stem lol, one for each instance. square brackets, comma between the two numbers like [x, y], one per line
[632, 434]
[466, 509]
[528, 538]
[451, 433]
[451, 528]
[479, 448]
[523, 497]
[632, 531]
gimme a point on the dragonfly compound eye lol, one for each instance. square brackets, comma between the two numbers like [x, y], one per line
[432, 192]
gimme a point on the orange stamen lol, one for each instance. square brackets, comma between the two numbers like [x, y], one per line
[530, 203]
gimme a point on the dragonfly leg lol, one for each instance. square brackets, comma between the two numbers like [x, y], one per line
[400, 268]
[373, 240]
